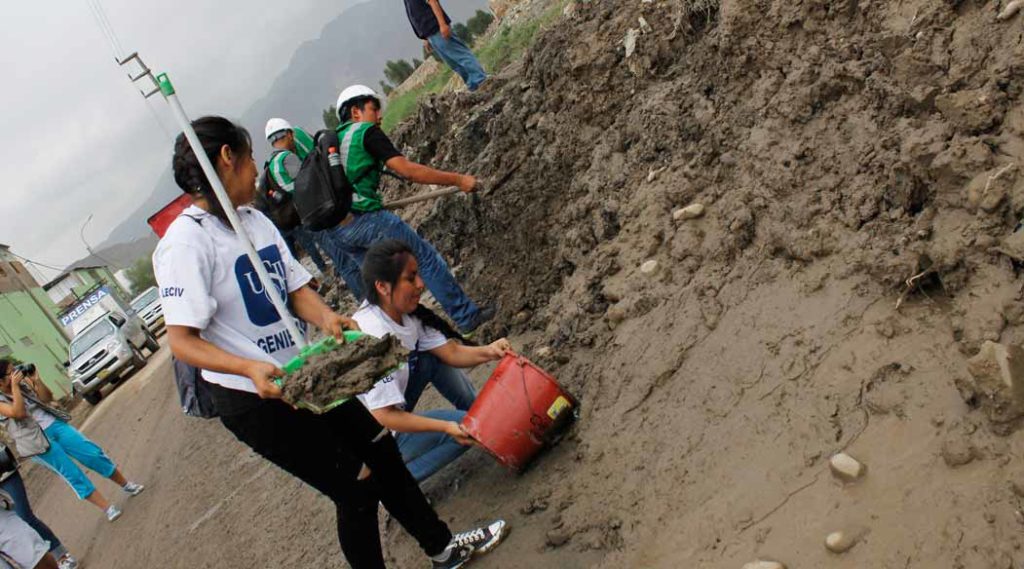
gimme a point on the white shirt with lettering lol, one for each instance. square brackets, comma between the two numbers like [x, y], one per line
[413, 334]
[207, 282]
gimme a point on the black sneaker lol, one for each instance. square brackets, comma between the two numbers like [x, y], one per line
[474, 542]
[483, 539]
[458, 555]
[484, 315]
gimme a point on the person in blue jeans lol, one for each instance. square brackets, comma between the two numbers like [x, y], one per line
[41, 431]
[431, 24]
[12, 483]
[365, 151]
[431, 439]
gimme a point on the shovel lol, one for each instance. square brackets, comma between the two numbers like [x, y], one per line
[484, 189]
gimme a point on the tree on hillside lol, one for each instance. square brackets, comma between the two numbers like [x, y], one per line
[330, 117]
[141, 275]
[479, 22]
[398, 71]
[385, 88]
[461, 31]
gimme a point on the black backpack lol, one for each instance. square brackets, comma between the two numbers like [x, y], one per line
[281, 211]
[323, 194]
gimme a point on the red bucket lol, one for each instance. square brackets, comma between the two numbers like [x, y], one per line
[520, 410]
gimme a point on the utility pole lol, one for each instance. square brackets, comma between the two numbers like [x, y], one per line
[81, 233]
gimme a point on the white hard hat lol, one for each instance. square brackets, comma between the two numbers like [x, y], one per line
[275, 126]
[354, 92]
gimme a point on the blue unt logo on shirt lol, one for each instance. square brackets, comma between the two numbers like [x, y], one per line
[258, 306]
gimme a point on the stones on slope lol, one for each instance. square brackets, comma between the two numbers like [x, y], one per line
[764, 564]
[846, 468]
[958, 451]
[691, 211]
[650, 267]
[843, 540]
[996, 385]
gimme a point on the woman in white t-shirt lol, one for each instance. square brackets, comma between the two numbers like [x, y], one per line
[220, 320]
[432, 439]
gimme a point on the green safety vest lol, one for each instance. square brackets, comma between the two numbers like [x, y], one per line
[277, 170]
[362, 170]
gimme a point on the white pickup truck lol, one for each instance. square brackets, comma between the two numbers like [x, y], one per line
[147, 306]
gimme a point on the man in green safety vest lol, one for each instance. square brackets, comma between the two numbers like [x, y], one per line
[365, 151]
[290, 147]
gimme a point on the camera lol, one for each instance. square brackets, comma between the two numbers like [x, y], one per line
[26, 369]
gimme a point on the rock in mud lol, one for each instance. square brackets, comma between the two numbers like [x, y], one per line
[762, 564]
[346, 371]
[958, 452]
[842, 541]
[997, 372]
[544, 352]
[557, 537]
[615, 314]
[691, 211]
[846, 468]
[649, 267]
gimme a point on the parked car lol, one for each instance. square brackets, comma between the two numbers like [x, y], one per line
[147, 306]
[105, 351]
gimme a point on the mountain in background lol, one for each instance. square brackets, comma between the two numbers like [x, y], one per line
[352, 48]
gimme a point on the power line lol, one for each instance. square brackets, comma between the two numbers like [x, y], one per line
[27, 260]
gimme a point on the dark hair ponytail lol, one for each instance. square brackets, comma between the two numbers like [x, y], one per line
[384, 262]
[214, 133]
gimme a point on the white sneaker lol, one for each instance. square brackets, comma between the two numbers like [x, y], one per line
[67, 562]
[113, 513]
[133, 489]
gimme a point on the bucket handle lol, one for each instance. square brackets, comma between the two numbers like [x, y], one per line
[535, 419]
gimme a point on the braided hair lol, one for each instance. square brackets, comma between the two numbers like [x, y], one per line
[384, 262]
[214, 133]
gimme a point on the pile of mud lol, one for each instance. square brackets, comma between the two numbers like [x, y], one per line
[849, 156]
[344, 372]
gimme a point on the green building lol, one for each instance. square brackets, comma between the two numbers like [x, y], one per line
[29, 330]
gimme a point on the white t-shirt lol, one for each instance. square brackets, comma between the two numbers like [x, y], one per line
[413, 334]
[207, 282]
[43, 419]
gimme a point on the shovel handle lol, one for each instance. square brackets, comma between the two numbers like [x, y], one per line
[422, 197]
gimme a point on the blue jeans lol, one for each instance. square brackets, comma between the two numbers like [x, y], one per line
[15, 486]
[426, 453]
[67, 443]
[308, 240]
[365, 229]
[457, 55]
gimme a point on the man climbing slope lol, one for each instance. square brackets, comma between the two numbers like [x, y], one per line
[432, 25]
[365, 151]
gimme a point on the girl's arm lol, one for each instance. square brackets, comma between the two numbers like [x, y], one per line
[189, 347]
[459, 355]
[309, 306]
[404, 422]
[16, 408]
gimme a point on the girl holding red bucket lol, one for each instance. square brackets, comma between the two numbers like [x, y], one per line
[432, 439]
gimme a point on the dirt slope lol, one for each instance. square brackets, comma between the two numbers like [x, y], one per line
[839, 148]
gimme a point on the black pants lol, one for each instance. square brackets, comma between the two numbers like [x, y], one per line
[327, 451]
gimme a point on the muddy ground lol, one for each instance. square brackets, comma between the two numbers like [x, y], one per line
[839, 148]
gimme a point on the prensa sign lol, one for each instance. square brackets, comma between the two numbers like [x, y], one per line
[84, 305]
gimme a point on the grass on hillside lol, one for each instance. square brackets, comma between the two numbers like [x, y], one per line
[495, 52]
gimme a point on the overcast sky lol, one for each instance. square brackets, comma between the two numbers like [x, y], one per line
[79, 139]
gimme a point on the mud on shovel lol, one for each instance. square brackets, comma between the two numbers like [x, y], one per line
[162, 84]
